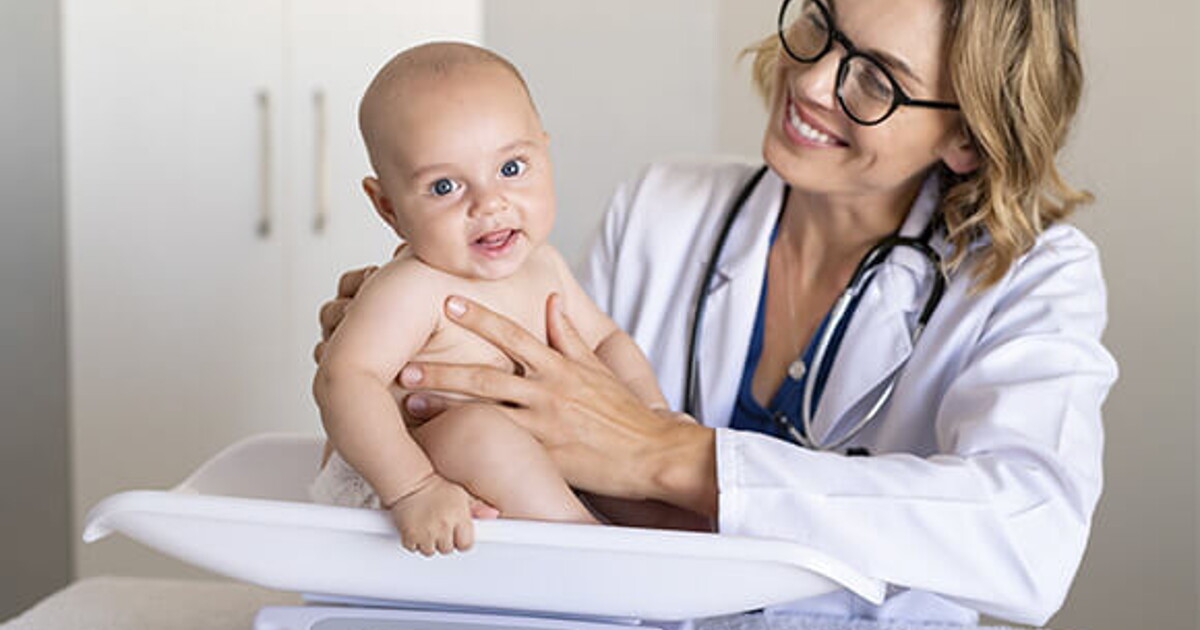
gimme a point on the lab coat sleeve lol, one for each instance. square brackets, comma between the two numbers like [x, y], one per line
[999, 518]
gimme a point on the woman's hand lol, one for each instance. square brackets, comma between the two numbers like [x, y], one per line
[602, 437]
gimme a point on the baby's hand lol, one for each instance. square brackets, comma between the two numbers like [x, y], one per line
[436, 517]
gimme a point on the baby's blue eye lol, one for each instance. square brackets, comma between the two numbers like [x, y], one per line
[443, 187]
[513, 168]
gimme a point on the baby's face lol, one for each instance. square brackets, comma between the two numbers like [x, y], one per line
[469, 173]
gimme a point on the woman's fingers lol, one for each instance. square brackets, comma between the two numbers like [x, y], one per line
[424, 406]
[563, 335]
[479, 509]
[332, 314]
[502, 332]
[477, 381]
[352, 281]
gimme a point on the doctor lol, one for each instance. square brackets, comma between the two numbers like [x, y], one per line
[944, 439]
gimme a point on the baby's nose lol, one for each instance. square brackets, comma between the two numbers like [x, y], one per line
[491, 203]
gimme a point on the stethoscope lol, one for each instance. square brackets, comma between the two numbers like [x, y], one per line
[858, 281]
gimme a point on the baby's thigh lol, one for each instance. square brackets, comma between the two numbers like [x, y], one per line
[474, 437]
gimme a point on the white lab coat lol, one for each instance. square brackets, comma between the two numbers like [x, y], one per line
[986, 462]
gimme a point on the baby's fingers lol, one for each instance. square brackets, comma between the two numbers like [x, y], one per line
[464, 535]
[416, 542]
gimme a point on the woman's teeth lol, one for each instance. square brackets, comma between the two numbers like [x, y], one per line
[806, 130]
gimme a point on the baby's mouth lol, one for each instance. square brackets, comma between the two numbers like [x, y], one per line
[496, 242]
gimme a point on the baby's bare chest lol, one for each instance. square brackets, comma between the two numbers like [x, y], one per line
[524, 303]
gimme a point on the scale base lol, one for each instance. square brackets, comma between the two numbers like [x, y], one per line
[357, 618]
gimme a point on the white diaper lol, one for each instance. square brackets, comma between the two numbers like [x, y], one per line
[339, 484]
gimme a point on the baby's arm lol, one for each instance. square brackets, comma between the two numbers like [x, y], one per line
[615, 348]
[390, 320]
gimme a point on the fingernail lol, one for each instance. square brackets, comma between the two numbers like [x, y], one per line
[411, 375]
[456, 306]
[417, 404]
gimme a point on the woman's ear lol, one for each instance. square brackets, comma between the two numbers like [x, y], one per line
[383, 205]
[961, 155]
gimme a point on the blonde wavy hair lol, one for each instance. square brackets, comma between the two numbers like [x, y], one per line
[1016, 71]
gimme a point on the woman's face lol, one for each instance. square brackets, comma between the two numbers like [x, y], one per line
[814, 145]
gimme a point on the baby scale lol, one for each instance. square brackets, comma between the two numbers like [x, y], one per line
[245, 514]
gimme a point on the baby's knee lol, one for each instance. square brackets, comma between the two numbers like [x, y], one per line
[470, 435]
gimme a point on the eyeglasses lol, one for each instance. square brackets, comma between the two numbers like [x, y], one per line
[866, 90]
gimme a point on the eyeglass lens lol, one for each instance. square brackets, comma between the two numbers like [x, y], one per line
[863, 87]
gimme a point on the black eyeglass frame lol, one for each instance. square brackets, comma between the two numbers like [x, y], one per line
[899, 96]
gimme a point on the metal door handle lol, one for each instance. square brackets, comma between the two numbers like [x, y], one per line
[321, 165]
[264, 164]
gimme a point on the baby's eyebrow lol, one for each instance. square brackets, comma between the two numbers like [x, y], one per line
[420, 172]
[523, 143]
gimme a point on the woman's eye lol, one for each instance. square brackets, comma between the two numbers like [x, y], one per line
[443, 187]
[513, 168]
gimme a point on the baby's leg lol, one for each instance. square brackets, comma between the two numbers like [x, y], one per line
[476, 446]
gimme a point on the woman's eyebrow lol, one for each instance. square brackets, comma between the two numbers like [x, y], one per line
[897, 64]
[889, 59]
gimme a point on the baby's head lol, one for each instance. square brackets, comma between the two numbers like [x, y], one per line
[462, 164]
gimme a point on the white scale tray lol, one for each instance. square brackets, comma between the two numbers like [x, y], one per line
[245, 514]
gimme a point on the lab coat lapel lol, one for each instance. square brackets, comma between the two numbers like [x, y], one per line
[878, 338]
[733, 300]
[876, 343]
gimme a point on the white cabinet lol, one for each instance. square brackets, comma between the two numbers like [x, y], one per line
[212, 167]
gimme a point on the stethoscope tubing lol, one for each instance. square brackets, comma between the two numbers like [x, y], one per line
[858, 281]
[690, 394]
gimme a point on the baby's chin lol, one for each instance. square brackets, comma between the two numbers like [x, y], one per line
[477, 269]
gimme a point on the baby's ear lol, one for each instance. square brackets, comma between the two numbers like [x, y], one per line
[383, 205]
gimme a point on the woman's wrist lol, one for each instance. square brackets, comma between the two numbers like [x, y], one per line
[683, 467]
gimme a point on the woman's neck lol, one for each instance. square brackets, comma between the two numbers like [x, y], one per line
[828, 235]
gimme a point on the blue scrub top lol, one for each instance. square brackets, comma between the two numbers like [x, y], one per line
[748, 413]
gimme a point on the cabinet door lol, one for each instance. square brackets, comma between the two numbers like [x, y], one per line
[334, 49]
[177, 278]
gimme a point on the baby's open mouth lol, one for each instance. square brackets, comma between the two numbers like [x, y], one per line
[496, 241]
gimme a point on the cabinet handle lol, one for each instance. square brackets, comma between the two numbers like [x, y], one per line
[321, 156]
[264, 164]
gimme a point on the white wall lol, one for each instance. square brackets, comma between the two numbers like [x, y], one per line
[619, 83]
[34, 549]
[1135, 148]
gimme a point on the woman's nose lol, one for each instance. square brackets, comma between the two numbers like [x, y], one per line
[816, 82]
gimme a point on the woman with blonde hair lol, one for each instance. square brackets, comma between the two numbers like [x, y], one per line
[887, 336]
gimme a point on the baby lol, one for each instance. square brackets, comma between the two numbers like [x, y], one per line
[463, 175]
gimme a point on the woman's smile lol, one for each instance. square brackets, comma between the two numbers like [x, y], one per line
[802, 129]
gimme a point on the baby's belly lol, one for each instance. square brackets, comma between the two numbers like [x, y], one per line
[459, 349]
[462, 348]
